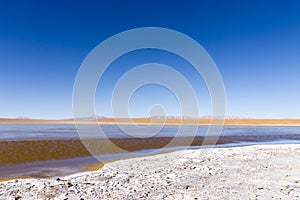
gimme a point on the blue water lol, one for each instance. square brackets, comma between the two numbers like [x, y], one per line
[62, 131]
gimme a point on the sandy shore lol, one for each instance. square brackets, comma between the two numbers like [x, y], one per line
[252, 172]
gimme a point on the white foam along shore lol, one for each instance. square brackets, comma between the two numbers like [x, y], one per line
[251, 172]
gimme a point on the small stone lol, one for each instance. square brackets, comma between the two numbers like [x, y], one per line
[69, 184]
[186, 187]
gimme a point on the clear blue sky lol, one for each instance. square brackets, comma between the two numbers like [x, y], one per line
[255, 44]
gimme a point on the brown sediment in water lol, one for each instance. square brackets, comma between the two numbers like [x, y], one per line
[13, 152]
[25, 151]
[94, 167]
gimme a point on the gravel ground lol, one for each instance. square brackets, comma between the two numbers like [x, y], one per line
[252, 172]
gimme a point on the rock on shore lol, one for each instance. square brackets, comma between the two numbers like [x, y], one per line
[252, 172]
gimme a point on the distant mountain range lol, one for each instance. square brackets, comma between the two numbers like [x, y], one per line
[172, 120]
[87, 118]
[153, 117]
[225, 117]
[22, 118]
[203, 117]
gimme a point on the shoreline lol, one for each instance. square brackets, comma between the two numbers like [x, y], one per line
[258, 171]
[52, 150]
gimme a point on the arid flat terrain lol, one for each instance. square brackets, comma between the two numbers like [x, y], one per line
[176, 121]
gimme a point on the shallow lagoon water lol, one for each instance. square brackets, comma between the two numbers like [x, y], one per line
[54, 150]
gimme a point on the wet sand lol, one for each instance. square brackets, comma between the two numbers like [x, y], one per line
[252, 172]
